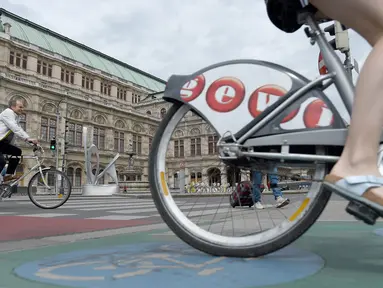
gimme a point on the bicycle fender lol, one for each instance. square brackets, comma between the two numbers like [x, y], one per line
[232, 95]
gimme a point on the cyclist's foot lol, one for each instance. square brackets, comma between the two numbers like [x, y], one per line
[367, 189]
[282, 202]
[362, 182]
[258, 205]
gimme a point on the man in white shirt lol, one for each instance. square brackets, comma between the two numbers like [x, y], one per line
[9, 126]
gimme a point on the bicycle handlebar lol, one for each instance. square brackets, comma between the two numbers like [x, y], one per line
[36, 147]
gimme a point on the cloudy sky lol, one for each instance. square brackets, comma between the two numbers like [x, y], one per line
[164, 37]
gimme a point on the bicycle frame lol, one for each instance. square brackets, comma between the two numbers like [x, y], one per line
[253, 137]
[36, 167]
[336, 75]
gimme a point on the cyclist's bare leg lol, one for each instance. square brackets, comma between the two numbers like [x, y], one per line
[360, 153]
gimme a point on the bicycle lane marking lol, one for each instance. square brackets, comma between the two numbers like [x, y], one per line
[173, 263]
[349, 249]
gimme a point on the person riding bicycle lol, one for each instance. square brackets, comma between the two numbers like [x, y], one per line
[9, 126]
[356, 174]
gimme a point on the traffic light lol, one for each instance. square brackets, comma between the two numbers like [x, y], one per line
[66, 142]
[341, 41]
[66, 147]
[53, 144]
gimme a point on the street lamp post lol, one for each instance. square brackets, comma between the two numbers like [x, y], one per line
[58, 116]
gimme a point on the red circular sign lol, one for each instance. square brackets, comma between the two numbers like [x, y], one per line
[225, 94]
[193, 88]
[266, 96]
[317, 114]
[321, 65]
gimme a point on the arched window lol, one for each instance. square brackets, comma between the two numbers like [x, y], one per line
[199, 177]
[176, 181]
[70, 174]
[78, 176]
[214, 176]
[23, 122]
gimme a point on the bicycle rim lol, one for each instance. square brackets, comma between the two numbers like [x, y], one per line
[245, 246]
[41, 199]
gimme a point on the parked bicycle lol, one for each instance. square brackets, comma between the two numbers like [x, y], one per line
[227, 97]
[48, 181]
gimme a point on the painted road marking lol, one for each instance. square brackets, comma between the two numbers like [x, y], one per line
[119, 217]
[46, 215]
[133, 211]
[35, 227]
[173, 263]
[106, 207]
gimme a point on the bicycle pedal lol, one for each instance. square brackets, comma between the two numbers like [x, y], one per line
[362, 212]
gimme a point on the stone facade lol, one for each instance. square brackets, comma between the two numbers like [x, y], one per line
[114, 110]
[119, 114]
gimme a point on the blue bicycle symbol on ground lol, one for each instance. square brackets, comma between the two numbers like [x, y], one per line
[168, 265]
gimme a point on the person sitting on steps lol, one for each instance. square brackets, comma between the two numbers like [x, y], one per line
[9, 126]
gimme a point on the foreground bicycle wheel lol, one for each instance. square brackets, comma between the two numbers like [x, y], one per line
[252, 245]
[55, 195]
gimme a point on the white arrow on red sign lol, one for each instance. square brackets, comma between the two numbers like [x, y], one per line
[321, 65]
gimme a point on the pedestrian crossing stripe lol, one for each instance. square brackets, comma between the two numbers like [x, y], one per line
[110, 208]
[120, 217]
[122, 208]
[47, 215]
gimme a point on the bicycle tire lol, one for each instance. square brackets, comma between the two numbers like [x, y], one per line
[302, 225]
[37, 174]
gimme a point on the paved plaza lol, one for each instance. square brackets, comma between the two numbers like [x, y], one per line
[139, 250]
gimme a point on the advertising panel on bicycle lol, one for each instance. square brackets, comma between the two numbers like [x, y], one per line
[312, 113]
[264, 97]
[231, 96]
[321, 65]
[222, 94]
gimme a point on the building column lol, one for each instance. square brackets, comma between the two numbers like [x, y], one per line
[32, 64]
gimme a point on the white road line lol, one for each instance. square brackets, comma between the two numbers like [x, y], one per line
[133, 211]
[86, 202]
[118, 217]
[207, 212]
[46, 215]
[101, 206]
[91, 204]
